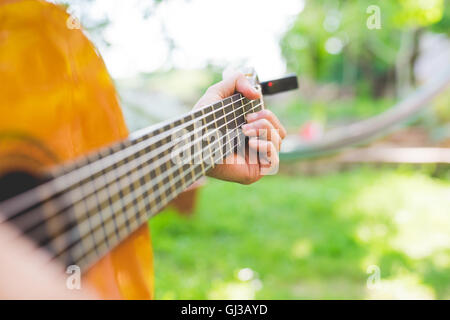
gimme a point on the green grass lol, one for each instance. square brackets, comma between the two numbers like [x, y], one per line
[309, 237]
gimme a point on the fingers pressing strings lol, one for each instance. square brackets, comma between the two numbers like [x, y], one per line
[265, 126]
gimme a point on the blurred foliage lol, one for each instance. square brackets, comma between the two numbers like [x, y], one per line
[174, 82]
[418, 13]
[443, 26]
[441, 108]
[95, 24]
[315, 237]
[329, 40]
[298, 111]
[310, 237]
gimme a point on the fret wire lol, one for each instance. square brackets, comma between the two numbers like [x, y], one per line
[226, 126]
[189, 148]
[241, 112]
[51, 226]
[230, 114]
[106, 152]
[48, 230]
[110, 205]
[79, 215]
[123, 186]
[120, 169]
[199, 144]
[86, 216]
[132, 219]
[135, 185]
[192, 174]
[29, 198]
[102, 223]
[92, 217]
[171, 175]
[234, 113]
[117, 196]
[236, 122]
[90, 220]
[174, 195]
[121, 180]
[218, 134]
[144, 180]
[183, 181]
[208, 142]
[159, 206]
[160, 182]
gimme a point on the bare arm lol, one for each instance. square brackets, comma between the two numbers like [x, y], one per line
[25, 272]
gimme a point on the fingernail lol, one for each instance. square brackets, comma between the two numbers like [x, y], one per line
[252, 116]
[250, 133]
[248, 130]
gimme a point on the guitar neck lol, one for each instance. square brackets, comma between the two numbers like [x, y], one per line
[95, 202]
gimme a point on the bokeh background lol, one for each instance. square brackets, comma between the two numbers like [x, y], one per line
[323, 227]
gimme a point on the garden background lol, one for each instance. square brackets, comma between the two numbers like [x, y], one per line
[321, 228]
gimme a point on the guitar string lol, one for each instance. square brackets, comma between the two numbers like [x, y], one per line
[12, 207]
[80, 174]
[86, 194]
[30, 224]
[21, 203]
[130, 197]
[138, 174]
[146, 201]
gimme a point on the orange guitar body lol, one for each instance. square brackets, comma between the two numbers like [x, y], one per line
[58, 102]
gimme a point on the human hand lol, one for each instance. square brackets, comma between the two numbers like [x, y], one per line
[263, 128]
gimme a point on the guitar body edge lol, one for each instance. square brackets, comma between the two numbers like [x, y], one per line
[58, 102]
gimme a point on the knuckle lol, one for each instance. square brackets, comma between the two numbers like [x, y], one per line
[265, 128]
[266, 124]
[267, 113]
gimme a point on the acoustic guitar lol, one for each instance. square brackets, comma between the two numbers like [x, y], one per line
[72, 177]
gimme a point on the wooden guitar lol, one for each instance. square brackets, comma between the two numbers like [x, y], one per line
[72, 177]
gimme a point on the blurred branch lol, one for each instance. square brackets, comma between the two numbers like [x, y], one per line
[397, 155]
[361, 132]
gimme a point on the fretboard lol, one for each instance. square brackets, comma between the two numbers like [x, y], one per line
[95, 202]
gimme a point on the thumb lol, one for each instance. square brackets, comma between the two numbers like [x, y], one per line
[235, 81]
